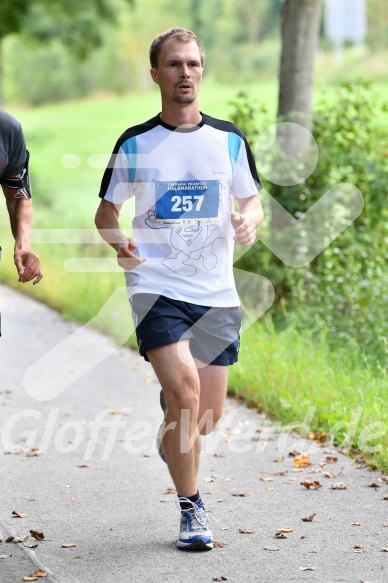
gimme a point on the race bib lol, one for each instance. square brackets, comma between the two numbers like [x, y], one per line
[187, 202]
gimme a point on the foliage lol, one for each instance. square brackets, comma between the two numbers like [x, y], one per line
[345, 287]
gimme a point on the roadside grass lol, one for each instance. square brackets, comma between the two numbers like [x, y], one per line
[281, 372]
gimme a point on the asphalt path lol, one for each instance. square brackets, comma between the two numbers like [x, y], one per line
[78, 419]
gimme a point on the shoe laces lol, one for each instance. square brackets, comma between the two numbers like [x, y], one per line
[196, 512]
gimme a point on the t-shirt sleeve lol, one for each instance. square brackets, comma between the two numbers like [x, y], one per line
[116, 182]
[246, 181]
[18, 156]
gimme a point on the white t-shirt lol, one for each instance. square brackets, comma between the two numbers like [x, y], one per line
[183, 181]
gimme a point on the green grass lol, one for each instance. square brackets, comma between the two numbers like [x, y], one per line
[284, 372]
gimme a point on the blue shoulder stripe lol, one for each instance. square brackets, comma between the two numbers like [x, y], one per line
[129, 148]
[234, 143]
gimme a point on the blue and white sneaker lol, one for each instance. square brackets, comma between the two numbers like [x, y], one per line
[195, 534]
[159, 441]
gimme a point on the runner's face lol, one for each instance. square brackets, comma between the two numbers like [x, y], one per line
[179, 71]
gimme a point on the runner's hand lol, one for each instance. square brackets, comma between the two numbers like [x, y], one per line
[127, 256]
[245, 229]
[28, 266]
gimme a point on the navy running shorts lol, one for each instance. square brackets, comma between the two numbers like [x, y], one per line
[214, 333]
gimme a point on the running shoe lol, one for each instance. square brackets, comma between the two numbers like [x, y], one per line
[195, 534]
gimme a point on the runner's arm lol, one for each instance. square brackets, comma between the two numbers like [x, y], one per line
[107, 223]
[20, 215]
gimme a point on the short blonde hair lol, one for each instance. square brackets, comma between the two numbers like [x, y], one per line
[181, 34]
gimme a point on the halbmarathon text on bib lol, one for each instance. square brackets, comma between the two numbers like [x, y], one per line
[187, 202]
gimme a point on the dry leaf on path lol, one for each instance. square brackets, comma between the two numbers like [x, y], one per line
[9, 539]
[280, 535]
[384, 549]
[21, 539]
[222, 578]
[374, 485]
[278, 459]
[68, 546]
[302, 461]
[37, 535]
[242, 494]
[311, 484]
[39, 574]
[246, 530]
[331, 459]
[19, 514]
[328, 475]
[170, 490]
[210, 479]
[385, 497]
[338, 486]
[266, 479]
[5, 556]
[357, 523]
[285, 529]
[218, 544]
[309, 517]
[271, 548]
[82, 465]
[219, 455]
[307, 568]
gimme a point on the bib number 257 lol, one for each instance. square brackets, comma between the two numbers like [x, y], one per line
[187, 203]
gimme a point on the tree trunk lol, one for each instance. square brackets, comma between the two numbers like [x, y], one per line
[300, 26]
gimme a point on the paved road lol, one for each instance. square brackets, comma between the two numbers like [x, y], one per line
[116, 508]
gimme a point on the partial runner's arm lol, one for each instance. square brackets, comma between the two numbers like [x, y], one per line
[107, 223]
[20, 215]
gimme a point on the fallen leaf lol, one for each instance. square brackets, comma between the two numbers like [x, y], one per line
[220, 500]
[374, 485]
[5, 556]
[82, 465]
[32, 546]
[218, 544]
[338, 486]
[271, 548]
[278, 459]
[222, 578]
[302, 461]
[170, 490]
[224, 527]
[26, 578]
[242, 494]
[385, 497]
[356, 523]
[270, 489]
[307, 568]
[311, 484]
[246, 530]
[285, 529]
[39, 574]
[328, 475]
[9, 539]
[68, 546]
[19, 514]
[210, 479]
[384, 549]
[73, 498]
[219, 455]
[266, 479]
[37, 535]
[294, 453]
[331, 459]
[359, 547]
[280, 535]
[303, 536]
[309, 517]
[21, 539]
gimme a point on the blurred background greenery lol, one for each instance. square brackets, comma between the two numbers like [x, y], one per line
[76, 76]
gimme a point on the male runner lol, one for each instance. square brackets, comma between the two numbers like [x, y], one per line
[184, 170]
[14, 180]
